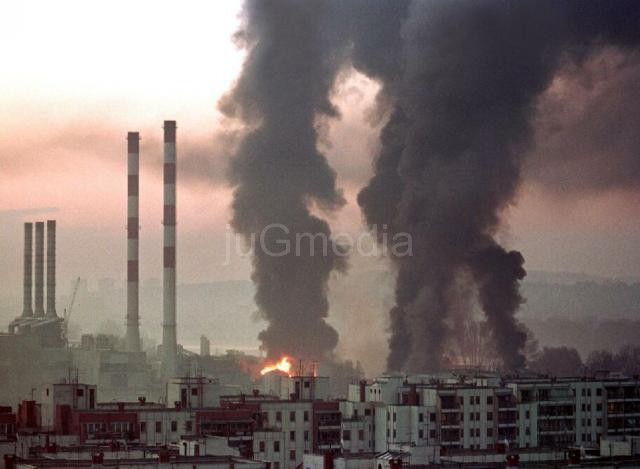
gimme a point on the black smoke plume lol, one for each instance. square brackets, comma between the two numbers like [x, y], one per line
[452, 153]
[278, 172]
[459, 81]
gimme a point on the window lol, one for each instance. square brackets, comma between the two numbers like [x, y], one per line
[477, 415]
[158, 427]
[489, 400]
[432, 433]
[394, 416]
[599, 422]
[292, 416]
[346, 435]
[278, 416]
[80, 392]
[477, 432]
[478, 400]
[174, 426]
[276, 465]
[527, 414]
[527, 431]
[489, 432]
[143, 427]
[355, 413]
[599, 407]
[420, 433]
[306, 416]
[306, 435]
[599, 392]
[472, 416]
[189, 425]
[489, 415]
[261, 446]
[367, 411]
[432, 417]
[361, 435]
[194, 391]
[420, 417]
[394, 433]
[306, 384]
[276, 446]
[292, 435]
[292, 454]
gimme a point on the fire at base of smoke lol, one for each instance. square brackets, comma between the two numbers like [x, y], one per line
[279, 240]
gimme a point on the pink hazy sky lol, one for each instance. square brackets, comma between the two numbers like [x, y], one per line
[78, 76]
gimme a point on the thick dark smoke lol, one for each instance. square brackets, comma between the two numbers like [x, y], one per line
[278, 172]
[453, 150]
[460, 82]
[586, 120]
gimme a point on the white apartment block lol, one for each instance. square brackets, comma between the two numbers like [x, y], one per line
[485, 413]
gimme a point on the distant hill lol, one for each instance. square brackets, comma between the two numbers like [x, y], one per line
[579, 296]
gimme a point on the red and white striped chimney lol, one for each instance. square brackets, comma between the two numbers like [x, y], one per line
[169, 340]
[51, 269]
[133, 205]
[39, 270]
[27, 285]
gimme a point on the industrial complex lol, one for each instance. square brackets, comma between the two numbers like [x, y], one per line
[175, 408]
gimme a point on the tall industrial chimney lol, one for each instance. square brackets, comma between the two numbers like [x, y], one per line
[133, 187]
[169, 340]
[51, 269]
[39, 280]
[27, 285]
[205, 346]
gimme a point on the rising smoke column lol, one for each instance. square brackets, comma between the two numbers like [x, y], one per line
[278, 172]
[452, 153]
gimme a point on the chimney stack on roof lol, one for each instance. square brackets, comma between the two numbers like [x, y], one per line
[39, 270]
[169, 339]
[27, 310]
[51, 269]
[133, 229]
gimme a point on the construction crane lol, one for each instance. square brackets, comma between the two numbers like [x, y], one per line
[69, 308]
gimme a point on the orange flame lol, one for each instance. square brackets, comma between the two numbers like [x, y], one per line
[283, 365]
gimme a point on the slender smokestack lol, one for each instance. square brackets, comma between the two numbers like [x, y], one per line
[39, 281]
[27, 310]
[133, 183]
[51, 269]
[169, 341]
[205, 346]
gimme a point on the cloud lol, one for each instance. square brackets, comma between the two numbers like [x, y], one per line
[37, 148]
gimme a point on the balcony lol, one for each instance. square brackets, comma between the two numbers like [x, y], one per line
[450, 420]
[506, 402]
[551, 428]
[547, 411]
[449, 404]
[621, 393]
